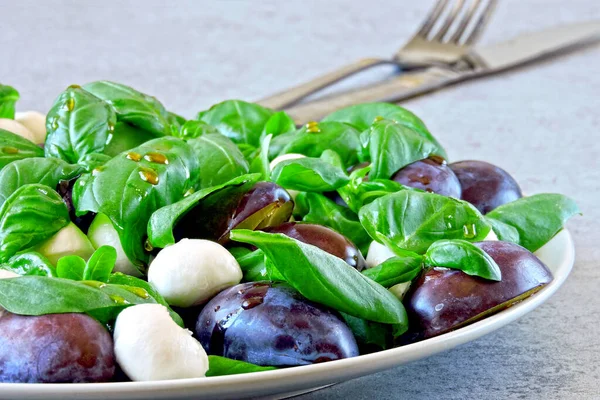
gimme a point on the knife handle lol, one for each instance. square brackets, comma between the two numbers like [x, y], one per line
[407, 85]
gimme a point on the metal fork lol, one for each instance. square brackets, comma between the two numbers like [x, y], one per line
[433, 44]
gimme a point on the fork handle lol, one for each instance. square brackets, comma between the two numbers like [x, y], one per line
[407, 85]
[291, 96]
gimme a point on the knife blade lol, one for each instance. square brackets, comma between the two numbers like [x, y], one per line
[495, 58]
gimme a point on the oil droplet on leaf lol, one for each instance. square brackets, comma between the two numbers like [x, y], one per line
[469, 231]
[147, 246]
[10, 150]
[70, 104]
[188, 192]
[378, 118]
[74, 87]
[139, 292]
[149, 175]
[156, 158]
[133, 156]
[94, 284]
[118, 299]
[97, 170]
[54, 123]
[313, 127]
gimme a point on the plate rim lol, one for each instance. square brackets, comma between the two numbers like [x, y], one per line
[304, 377]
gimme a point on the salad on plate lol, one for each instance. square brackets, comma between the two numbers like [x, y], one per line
[138, 245]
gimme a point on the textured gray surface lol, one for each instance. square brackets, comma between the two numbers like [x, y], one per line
[542, 124]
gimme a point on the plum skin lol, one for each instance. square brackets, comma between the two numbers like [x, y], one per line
[54, 348]
[271, 324]
[445, 299]
[484, 185]
[324, 238]
[432, 175]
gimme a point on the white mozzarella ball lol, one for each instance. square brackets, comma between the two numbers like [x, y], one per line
[103, 233]
[150, 346]
[285, 157]
[36, 123]
[377, 254]
[400, 289]
[17, 128]
[5, 274]
[192, 271]
[491, 236]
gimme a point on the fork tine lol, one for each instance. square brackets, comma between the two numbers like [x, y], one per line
[481, 23]
[465, 21]
[439, 36]
[432, 18]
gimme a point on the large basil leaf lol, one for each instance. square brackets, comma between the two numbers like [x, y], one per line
[46, 171]
[326, 279]
[133, 107]
[309, 174]
[536, 219]
[240, 121]
[29, 263]
[135, 284]
[219, 159]
[393, 146]
[413, 220]
[131, 186]
[313, 140]
[93, 161]
[318, 209]
[465, 256]
[32, 214]
[78, 124]
[220, 366]
[40, 295]
[396, 270]
[362, 116]
[163, 221]
[13, 147]
[8, 99]
[125, 137]
[278, 124]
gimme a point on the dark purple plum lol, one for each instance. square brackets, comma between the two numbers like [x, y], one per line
[484, 185]
[443, 299]
[324, 238]
[272, 324]
[432, 175]
[65, 189]
[54, 348]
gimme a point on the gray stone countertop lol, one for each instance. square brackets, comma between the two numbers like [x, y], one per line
[541, 123]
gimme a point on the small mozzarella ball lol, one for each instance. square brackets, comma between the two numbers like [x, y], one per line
[285, 157]
[150, 346]
[4, 274]
[36, 123]
[491, 236]
[192, 271]
[17, 128]
[377, 254]
[103, 233]
[400, 289]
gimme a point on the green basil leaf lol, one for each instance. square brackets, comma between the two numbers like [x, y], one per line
[504, 231]
[278, 124]
[131, 282]
[220, 366]
[70, 267]
[78, 124]
[368, 333]
[309, 174]
[13, 147]
[393, 146]
[313, 140]
[219, 158]
[260, 164]
[318, 209]
[100, 264]
[131, 186]
[133, 107]
[125, 137]
[240, 121]
[362, 116]
[92, 161]
[32, 214]
[255, 265]
[40, 295]
[194, 129]
[464, 256]
[326, 279]
[45, 171]
[161, 224]
[413, 220]
[536, 218]
[396, 270]
[8, 99]
[29, 263]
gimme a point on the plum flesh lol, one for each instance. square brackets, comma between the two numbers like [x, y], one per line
[272, 324]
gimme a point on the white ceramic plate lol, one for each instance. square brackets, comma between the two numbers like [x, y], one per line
[558, 255]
